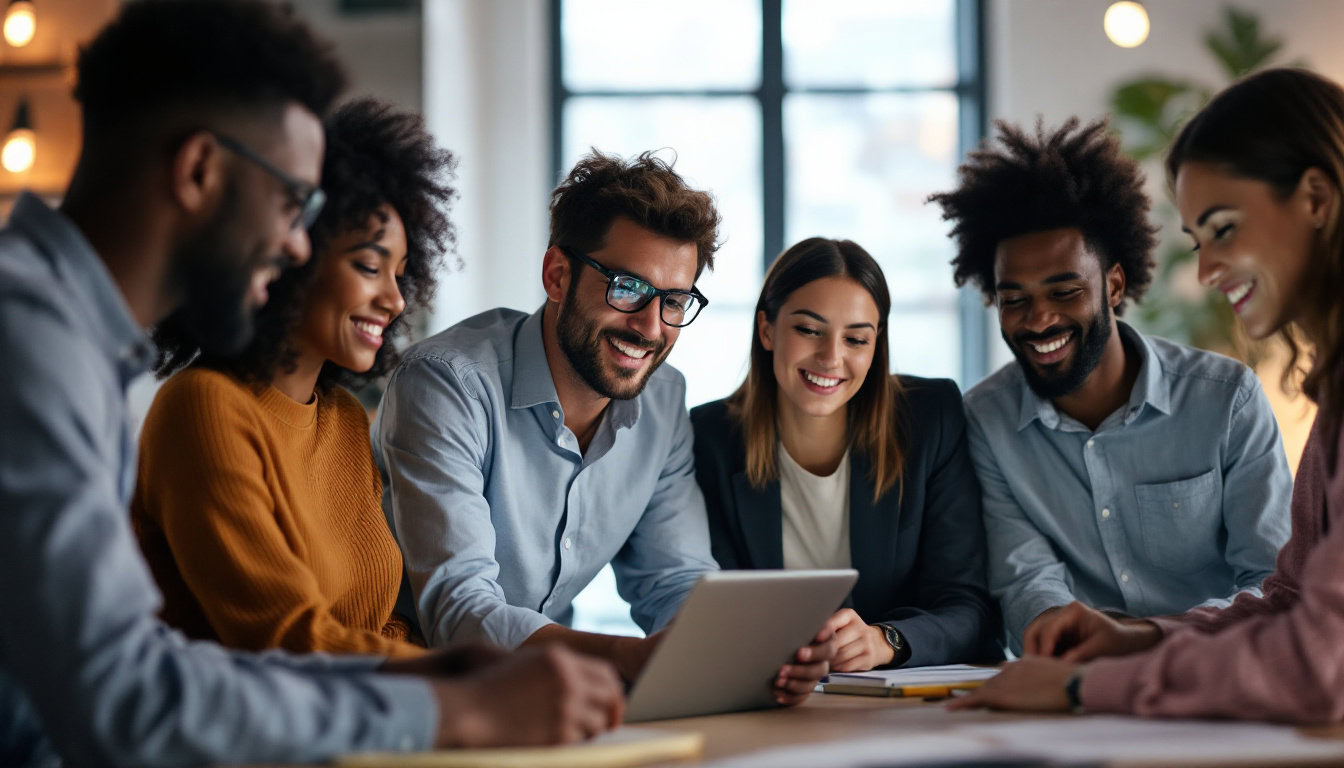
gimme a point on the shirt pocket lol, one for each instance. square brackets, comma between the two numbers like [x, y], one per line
[1180, 521]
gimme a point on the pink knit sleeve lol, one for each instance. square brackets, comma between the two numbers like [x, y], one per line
[1275, 658]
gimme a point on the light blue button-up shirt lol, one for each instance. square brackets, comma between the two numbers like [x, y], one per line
[86, 670]
[1180, 498]
[501, 519]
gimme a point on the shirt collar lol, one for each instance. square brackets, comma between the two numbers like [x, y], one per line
[1150, 388]
[532, 382]
[78, 266]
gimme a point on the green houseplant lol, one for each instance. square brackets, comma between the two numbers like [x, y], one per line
[1147, 112]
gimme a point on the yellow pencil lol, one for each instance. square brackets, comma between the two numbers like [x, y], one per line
[941, 690]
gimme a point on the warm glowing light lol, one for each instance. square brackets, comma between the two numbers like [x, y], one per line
[1126, 24]
[20, 23]
[20, 150]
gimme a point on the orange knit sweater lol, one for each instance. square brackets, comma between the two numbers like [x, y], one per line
[260, 519]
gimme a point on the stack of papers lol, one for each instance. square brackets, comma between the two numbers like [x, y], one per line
[916, 681]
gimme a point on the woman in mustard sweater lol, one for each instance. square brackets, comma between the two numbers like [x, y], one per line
[258, 500]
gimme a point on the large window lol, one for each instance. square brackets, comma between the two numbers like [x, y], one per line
[803, 117]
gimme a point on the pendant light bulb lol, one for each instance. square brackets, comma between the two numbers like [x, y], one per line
[1126, 23]
[20, 23]
[20, 148]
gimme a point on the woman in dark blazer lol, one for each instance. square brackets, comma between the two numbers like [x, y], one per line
[820, 439]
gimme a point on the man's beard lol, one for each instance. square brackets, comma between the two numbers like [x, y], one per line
[1091, 345]
[581, 340]
[216, 277]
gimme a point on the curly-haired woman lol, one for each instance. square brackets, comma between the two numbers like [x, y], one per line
[258, 499]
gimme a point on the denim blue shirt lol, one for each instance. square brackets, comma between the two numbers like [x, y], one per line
[1180, 498]
[501, 519]
[86, 670]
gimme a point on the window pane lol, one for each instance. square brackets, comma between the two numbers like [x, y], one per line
[716, 142]
[642, 45]
[926, 343]
[860, 167]
[869, 43]
[712, 352]
[599, 608]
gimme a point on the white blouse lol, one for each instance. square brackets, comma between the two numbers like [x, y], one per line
[816, 514]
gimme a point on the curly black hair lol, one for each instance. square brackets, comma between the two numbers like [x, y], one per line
[1071, 177]
[241, 54]
[375, 155]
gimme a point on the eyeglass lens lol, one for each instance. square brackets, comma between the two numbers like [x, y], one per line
[630, 294]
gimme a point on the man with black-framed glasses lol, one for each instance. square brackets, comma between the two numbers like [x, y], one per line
[202, 146]
[524, 453]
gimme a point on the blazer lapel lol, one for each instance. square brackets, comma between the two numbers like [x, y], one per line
[871, 530]
[761, 519]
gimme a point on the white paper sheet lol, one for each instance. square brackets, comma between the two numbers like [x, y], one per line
[1065, 740]
[939, 675]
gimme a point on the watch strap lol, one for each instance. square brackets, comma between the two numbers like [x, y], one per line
[900, 649]
[1073, 689]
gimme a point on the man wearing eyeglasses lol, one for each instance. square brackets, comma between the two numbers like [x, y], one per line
[202, 146]
[526, 452]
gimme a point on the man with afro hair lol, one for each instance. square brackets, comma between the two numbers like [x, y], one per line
[1123, 471]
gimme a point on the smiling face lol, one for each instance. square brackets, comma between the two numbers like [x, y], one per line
[822, 342]
[250, 240]
[614, 353]
[1254, 245]
[354, 295]
[1055, 304]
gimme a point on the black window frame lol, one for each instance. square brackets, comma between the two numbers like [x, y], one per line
[770, 94]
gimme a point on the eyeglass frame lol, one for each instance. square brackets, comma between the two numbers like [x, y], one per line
[309, 197]
[657, 293]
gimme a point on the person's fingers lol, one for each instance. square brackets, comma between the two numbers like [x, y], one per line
[837, 620]
[1049, 640]
[1089, 649]
[848, 650]
[848, 658]
[823, 651]
[1031, 637]
[808, 674]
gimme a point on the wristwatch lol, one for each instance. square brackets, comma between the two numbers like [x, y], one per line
[1073, 690]
[900, 652]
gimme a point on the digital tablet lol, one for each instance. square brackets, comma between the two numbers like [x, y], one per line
[735, 630]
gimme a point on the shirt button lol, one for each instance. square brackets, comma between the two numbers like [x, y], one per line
[1124, 576]
[1176, 505]
[1091, 443]
[1106, 513]
[555, 414]
[568, 543]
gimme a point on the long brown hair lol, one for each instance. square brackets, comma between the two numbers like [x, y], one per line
[1272, 127]
[872, 412]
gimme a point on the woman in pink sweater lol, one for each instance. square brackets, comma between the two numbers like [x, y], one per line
[1258, 175]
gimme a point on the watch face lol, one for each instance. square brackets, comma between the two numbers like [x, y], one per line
[893, 637]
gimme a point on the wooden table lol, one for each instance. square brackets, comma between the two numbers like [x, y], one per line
[840, 718]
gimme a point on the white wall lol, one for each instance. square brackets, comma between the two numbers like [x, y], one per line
[1051, 57]
[382, 49]
[487, 98]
